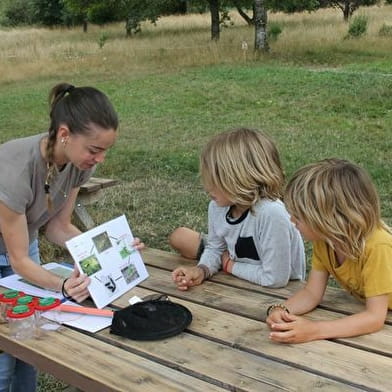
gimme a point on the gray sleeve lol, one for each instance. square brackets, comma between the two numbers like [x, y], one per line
[273, 244]
[215, 245]
[15, 192]
[83, 177]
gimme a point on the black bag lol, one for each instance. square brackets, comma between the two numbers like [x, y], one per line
[151, 320]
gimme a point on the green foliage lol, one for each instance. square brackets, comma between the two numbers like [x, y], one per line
[103, 13]
[290, 6]
[102, 40]
[134, 12]
[274, 30]
[17, 13]
[358, 27]
[48, 13]
[225, 19]
[385, 30]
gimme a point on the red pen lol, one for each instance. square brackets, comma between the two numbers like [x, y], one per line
[85, 310]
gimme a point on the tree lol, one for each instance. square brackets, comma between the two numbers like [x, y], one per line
[16, 13]
[348, 7]
[290, 6]
[260, 20]
[48, 13]
[215, 20]
[287, 6]
[80, 8]
[240, 5]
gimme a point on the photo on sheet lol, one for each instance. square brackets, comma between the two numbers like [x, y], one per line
[90, 265]
[102, 242]
[129, 273]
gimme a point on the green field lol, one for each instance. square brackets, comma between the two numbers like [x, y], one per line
[317, 95]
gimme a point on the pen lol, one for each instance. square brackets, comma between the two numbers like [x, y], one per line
[85, 310]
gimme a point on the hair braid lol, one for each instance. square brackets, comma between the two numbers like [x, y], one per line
[50, 166]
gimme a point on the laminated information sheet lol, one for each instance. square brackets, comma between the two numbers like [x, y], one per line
[106, 255]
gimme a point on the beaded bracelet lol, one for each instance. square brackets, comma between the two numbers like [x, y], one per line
[276, 306]
[63, 292]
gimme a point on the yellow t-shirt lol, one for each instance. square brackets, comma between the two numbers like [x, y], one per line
[369, 276]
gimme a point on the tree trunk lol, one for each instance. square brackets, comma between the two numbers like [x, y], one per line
[85, 26]
[346, 11]
[260, 18]
[214, 10]
[245, 16]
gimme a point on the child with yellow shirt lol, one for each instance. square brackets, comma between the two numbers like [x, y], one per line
[334, 204]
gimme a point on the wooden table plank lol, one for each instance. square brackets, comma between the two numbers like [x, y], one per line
[253, 305]
[95, 183]
[334, 299]
[325, 358]
[226, 347]
[92, 365]
[232, 368]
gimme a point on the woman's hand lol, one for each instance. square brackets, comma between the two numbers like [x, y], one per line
[290, 328]
[138, 244]
[186, 277]
[76, 286]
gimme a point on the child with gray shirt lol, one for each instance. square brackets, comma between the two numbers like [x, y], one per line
[250, 234]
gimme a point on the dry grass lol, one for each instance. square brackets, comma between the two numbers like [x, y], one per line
[175, 42]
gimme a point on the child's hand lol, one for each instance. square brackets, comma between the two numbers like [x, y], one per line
[138, 244]
[226, 262]
[277, 315]
[295, 329]
[186, 277]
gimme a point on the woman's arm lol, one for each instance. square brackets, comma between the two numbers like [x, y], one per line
[14, 230]
[13, 227]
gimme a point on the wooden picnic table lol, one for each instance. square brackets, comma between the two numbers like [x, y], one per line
[89, 193]
[225, 348]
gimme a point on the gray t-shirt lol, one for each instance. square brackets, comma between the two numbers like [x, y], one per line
[22, 178]
[265, 246]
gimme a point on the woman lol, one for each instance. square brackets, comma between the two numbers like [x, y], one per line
[39, 182]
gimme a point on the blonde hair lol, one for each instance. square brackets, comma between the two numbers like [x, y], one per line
[336, 199]
[244, 164]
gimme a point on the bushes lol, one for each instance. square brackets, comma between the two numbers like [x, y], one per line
[274, 30]
[385, 31]
[358, 27]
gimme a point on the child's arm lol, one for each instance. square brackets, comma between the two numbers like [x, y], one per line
[298, 329]
[278, 249]
[289, 328]
[216, 244]
[304, 300]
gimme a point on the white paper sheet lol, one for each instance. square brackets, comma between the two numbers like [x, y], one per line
[77, 320]
[106, 255]
[16, 282]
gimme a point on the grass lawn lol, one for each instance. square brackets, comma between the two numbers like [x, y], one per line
[167, 118]
[316, 102]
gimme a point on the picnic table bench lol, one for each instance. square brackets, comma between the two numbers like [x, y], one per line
[89, 193]
[225, 348]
